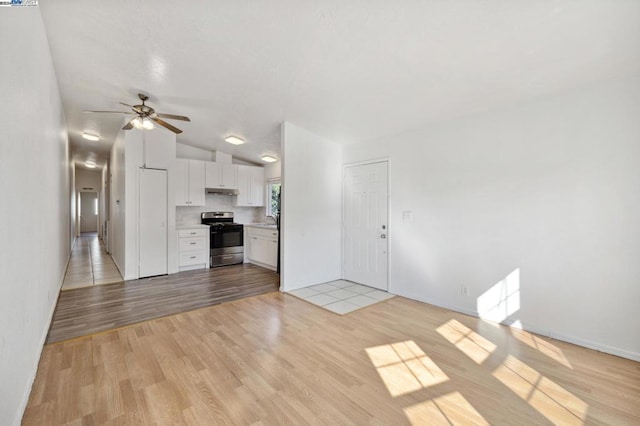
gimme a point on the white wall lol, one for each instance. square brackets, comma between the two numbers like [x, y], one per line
[35, 212]
[273, 170]
[127, 156]
[88, 180]
[549, 188]
[193, 153]
[311, 209]
[117, 203]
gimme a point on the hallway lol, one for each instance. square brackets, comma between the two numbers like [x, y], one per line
[90, 264]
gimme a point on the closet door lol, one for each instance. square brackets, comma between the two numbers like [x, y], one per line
[152, 222]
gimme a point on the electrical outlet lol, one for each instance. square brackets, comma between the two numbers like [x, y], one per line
[465, 290]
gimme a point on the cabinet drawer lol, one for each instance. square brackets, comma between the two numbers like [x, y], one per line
[261, 232]
[193, 258]
[192, 244]
[195, 232]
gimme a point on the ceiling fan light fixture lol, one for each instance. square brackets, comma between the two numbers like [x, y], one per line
[90, 164]
[234, 140]
[137, 122]
[90, 137]
[147, 124]
[268, 158]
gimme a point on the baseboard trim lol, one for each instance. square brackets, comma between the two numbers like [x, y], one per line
[611, 350]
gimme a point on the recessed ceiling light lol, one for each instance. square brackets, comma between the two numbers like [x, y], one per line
[268, 158]
[90, 137]
[234, 140]
[90, 164]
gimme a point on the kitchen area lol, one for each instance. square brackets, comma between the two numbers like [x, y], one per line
[226, 211]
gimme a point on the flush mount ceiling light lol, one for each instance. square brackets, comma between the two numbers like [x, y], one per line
[234, 140]
[268, 158]
[90, 137]
[90, 164]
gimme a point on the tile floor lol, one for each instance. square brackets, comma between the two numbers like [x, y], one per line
[90, 264]
[341, 296]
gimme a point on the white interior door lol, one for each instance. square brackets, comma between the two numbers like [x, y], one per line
[88, 212]
[365, 251]
[152, 222]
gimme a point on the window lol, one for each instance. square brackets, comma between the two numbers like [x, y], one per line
[273, 197]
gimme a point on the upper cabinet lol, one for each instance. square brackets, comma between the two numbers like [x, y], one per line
[250, 186]
[190, 182]
[221, 175]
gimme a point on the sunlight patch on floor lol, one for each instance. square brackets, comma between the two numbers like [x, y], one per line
[449, 409]
[543, 346]
[468, 341]
[548, 398]
[404, 367]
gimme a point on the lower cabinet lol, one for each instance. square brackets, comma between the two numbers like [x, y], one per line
[193, 248]
[261, 246]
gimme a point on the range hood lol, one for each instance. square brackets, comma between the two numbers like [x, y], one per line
[222, 191]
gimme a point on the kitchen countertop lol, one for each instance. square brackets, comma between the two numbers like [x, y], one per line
[261, 225]
[196, 226]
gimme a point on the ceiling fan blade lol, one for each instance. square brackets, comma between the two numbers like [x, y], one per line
[129, 125]
[174, 117]
[127, 105]
[167, 125]
[111, 112]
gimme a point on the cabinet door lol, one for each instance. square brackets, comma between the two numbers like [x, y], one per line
[196, 183]
[182, 182]
[257, 186]
[229, 176]
[272, 258]
[244, 186]
[212, 175]
[260, 249]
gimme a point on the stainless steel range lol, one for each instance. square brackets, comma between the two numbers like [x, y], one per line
[226, 241]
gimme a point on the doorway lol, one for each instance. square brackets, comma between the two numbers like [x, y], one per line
[365, 219]
[88, 212]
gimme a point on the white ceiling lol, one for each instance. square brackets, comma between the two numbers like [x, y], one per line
[347, 70]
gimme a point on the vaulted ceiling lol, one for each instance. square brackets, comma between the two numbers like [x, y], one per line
[347, 70]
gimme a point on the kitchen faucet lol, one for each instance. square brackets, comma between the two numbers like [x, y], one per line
[272, 218]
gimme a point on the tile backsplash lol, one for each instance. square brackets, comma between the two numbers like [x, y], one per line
[217, 202]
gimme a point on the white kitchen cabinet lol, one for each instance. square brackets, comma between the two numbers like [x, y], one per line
[251, 186]
[261, 246]
[193, 248]
[221, 175]
[189, 182]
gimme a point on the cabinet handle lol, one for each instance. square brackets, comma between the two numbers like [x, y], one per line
[255, 238]
[192, 257]
[193, 244]
[192, 233]
[228, 257]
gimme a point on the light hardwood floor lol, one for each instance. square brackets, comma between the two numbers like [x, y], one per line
[274, 359]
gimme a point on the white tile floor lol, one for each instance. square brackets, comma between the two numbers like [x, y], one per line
[341, 296]
[90, 264]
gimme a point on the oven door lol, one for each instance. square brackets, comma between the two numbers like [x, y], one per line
[226, 239]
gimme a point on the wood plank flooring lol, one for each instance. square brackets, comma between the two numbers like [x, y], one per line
[274, 359]
[98, 308]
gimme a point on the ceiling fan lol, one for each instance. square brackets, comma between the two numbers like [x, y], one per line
[145, 116]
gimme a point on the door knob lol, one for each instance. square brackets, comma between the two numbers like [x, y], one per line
[383, 236]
